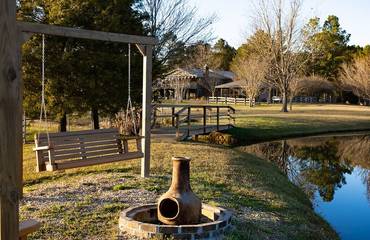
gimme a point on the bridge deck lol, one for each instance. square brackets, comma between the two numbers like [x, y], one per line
[170, 132]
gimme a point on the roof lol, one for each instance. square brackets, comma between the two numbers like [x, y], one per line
[230, 85]
[198, 73]
[225, 74]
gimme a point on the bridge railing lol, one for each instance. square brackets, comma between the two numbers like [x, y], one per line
[196, 118]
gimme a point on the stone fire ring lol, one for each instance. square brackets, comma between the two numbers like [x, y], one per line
[142, 222]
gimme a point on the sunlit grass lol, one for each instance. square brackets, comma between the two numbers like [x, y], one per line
[220, 176]
[266, 122]
[266, 204]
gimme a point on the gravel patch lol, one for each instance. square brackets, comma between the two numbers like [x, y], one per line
[81, 197]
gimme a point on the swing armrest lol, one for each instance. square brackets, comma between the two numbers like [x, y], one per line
[28, 227]
[43, 148]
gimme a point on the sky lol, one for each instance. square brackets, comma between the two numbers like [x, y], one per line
[234, 17]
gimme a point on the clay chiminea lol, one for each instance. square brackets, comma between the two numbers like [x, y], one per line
[179, 205]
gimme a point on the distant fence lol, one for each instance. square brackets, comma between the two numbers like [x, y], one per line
[229, 100]
[275, 99]
[303, 99]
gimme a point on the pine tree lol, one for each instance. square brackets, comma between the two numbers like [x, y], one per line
[82, 75]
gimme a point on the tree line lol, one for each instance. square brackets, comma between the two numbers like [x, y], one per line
[85, 75]
[90, 76]
[284, 55]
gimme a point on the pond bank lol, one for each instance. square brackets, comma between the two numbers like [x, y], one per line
[265, 203]
[267, 123]
[333, 171]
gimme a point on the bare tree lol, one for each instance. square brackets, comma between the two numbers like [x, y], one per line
[180, 86]
[202, 57]
[306, 84]
[210, 83]
[279, 19]
[356, 76]
[175, 24]
[251, 70]
[295, 87]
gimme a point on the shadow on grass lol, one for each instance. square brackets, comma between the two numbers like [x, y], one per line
[266, 204]
[62, 174]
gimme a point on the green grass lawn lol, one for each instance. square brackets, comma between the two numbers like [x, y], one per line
[85, 203]
[266, 122]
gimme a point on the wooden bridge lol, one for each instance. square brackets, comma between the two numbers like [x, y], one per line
[184, 121]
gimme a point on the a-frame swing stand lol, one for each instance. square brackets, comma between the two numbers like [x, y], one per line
[12, 35]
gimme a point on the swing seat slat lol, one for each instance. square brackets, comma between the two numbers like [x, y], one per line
[93, 161]
[43, 148]
[83, 148]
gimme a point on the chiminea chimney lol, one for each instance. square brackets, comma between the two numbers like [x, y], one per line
[179, 205]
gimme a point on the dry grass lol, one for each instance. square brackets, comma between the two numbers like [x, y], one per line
[266, 204]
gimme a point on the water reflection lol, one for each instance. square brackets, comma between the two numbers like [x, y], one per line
[319, 164]
[335, 174]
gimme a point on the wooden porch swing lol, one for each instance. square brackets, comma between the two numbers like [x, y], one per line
[67, 150]
[59, 151]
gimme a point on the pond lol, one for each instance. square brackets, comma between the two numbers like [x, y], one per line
[334, 171]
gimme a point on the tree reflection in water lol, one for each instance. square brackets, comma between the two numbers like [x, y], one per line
[323, 167]
[319, 163]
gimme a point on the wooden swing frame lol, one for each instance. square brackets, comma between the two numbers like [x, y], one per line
[13, 35]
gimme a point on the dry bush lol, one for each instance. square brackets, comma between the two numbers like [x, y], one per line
[125, 124]
[356, 76]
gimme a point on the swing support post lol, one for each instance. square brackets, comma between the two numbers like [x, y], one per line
[10, 122]
[146, 51]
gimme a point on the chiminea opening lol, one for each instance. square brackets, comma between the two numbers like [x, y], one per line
[169, 208]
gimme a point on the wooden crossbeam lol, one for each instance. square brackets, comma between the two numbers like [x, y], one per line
[27, 27]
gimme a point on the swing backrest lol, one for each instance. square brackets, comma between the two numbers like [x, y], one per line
[81, 148]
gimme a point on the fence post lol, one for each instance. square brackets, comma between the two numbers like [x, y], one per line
[218, 118]
[173, 116]
[189, 120]
[229, 115]
[204, 119]
[177, 126]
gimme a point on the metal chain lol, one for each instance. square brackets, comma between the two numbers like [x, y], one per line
[129, 108]
[129, 71]
[43, 113]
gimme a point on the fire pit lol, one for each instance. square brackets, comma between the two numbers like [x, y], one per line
[179, 213]
[143, 222]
